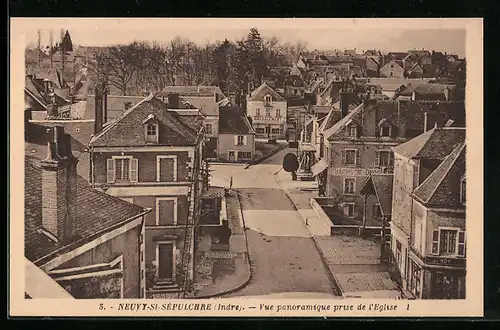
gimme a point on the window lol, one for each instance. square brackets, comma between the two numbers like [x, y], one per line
[349, 186]
[151, 133]
[446, 286]
[244, 155]
[390, 74]
[276, 130]
[448, 241]
[463, 194]
[259, 130]
[385, 131]
[128, 105]
[267, 100]
[295, 91]
[240, 140]
[351, 157]
[208, 129]
[376, 211]
[352, 131]
[268, 112]
[384, 158]
[122, 169]
[349, 209]
[166, 211]
[398, 255]
[166, 168]
[257, 112]
[278, 114]
[414, 274]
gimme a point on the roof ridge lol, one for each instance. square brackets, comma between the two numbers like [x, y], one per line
[117, 119]
[455, 157]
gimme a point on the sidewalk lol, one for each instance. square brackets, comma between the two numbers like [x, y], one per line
[222, 272]
[353, 262]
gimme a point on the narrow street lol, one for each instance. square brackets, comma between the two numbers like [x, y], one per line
[283, 255]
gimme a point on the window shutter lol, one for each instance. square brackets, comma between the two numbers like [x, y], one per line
[358, 131]
[110, 171]
[236, 140]
[357, 157]
[461, 243]
[134, 169]
[343, 155]
[391, 158]
[377, 158]
[435, 242]
[244, 140]
[346, 210]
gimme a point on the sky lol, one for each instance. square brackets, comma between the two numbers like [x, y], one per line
[446, 35]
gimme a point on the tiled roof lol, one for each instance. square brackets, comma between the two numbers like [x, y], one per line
[441, 187]
[191, 91]
[263, 90]
[332, 130]
[97, 213]
[393, 83]
[40, 133]
[397, 55]
[435, 143]
[128, 129]
[382, 186]
[35, 89]
[51, 74]
[426, 89]
[193, 119]
[232, 120]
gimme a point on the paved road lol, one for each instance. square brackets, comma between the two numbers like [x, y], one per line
[283, 255]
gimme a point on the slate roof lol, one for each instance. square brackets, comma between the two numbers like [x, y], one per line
[97, 213]
[382, 187]
[232, 120]
[436, 143]
[191, 91]
[260, 92]
[116, 105]
[399, 56]
[193, 118]
[391, 83]
[205, 104]
[128, 129]
[426, 89]
[34, 88]
[441, 187]
[51, 74]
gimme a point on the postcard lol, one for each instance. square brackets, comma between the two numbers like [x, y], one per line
[246, 167]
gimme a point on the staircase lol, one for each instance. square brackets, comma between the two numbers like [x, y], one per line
[164, 286]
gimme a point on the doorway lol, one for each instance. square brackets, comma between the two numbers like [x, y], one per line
[268, 130]
[231, 156]
[166, 260]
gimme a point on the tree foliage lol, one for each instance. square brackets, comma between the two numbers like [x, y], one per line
[234, 66]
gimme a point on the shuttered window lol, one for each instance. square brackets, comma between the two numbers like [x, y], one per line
[166, 211]
[166, 168]
[435, 242]
[122, 169]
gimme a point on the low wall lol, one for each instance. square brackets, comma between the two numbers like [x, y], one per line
[319, 211]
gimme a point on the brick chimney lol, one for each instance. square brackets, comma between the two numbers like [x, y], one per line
[59, 185]
[99, 106]
[346, 99]
[173, 101]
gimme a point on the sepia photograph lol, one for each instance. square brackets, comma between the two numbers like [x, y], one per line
[269, 163]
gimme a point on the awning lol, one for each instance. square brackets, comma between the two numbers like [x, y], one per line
[319, 167]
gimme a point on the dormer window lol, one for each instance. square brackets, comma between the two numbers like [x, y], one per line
[385, 131]
[151, 129]
[352, 131]
[267, 100]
